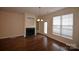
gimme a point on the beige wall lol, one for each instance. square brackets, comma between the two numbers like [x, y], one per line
[49, 19]
[11, 24]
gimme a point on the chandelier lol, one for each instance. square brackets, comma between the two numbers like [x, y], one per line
[39, 19]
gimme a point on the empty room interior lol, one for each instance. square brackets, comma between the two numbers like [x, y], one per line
[39, 29]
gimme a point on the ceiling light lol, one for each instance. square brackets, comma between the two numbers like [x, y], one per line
[39, 19]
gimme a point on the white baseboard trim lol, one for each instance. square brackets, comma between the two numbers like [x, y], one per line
[11, 36]
[60, 41]
[72, 45]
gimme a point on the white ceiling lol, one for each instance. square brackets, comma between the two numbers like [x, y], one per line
[33, 10]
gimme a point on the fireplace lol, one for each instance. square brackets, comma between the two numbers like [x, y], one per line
[30, 31]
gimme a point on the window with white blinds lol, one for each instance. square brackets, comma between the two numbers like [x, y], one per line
[63, 25]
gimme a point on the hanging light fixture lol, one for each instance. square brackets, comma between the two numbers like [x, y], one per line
[39, 19]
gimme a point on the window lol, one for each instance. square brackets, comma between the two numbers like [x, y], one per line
[56, 24]
[45, 27]
[67, 25]
[63, 25]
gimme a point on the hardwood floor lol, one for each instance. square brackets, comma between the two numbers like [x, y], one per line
[33, 43]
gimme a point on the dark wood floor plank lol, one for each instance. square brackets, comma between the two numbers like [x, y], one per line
[33, 43]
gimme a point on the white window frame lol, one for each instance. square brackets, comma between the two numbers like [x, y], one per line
[60, 34]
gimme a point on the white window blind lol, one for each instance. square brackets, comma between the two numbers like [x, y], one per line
[56, 24]
[63, 25]
[67, 25]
